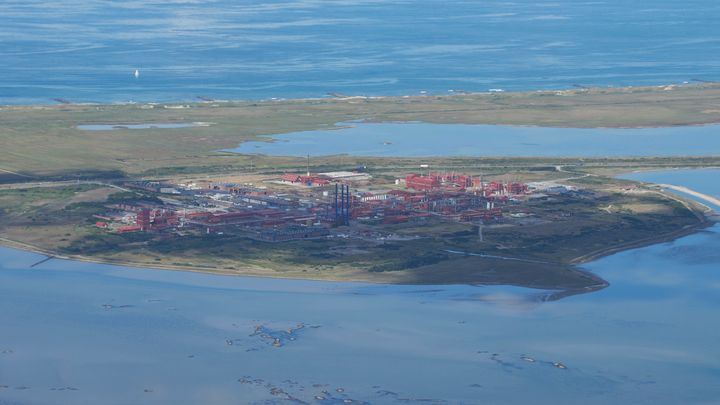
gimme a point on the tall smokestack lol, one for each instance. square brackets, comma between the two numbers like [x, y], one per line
[336, 202]
[342, 203]
[347, 207]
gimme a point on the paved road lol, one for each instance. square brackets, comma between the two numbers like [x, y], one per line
[61, 183]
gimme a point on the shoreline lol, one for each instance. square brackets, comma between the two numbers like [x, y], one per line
[342, 126]
[609, 251]
[570, 91]
[575, 264]
[703, 124]
[706, 218]
[10, 244]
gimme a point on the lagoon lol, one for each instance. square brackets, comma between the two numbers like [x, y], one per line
[87, 333]
[445, 140]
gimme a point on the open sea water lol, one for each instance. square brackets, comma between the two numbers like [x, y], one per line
[88, 50]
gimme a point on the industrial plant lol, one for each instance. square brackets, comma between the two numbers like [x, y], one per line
[304, 206]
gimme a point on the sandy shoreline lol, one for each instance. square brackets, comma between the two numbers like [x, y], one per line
[568, 92]
[576, 263]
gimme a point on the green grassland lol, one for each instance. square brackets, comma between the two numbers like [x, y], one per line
[44, 141]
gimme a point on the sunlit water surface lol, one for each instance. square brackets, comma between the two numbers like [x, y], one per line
[88, 50]
[431, 140]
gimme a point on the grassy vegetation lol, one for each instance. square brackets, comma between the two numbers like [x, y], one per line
[15, 201]
[44, 141]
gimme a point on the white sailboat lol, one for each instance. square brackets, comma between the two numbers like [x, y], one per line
[137, 73]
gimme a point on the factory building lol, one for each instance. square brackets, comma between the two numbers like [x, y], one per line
[302, 180]
[311, 211]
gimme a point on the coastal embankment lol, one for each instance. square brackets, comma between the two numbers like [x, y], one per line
[704, 197]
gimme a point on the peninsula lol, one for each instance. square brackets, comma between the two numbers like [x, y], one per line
[148, 187]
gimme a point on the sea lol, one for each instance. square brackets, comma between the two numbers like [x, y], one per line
[88, 50]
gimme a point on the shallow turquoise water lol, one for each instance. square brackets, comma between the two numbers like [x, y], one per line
[113, 332]
[428, 140]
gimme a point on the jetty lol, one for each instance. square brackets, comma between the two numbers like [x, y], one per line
[707, 198]
[42, 261]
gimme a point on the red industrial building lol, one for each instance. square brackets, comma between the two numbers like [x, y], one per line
[143, 220]
[422, 183]
[273, 215]
[156, 219]
[500, 188]
[451, 181]
[310, 181]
